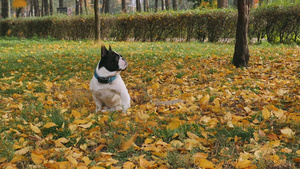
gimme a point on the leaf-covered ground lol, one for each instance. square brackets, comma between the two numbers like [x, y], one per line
[190, 107]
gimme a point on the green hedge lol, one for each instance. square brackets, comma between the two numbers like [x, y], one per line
[274, 23]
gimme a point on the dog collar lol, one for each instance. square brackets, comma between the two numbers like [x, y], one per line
[104, 79]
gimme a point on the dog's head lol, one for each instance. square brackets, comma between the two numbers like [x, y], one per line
[112, 60]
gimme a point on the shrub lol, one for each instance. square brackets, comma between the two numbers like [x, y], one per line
[275, 23]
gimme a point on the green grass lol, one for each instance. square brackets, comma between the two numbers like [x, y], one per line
[42, 81]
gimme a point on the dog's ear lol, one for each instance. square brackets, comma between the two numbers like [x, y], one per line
[104, 51]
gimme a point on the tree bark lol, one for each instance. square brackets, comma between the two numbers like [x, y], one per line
[36, 8]
[106, 6]
[97, 21]
[138, 5]
[241, 51]
[167, 3]
[46, 11]
[222, 3]
[162, 5]
[4, 12]
[51, 7]
[146, 5]
[61, 3]
[124, 6]
[80, 7]
[156, 5]
[175, 5]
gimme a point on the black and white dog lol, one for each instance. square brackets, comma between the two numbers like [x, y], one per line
[109, 90]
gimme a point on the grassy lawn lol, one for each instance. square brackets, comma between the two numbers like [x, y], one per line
[191, 107]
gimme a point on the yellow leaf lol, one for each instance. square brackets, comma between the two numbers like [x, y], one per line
[200, 155]
[204, 100]
[87, 125]
[37, 158]
[76, 114]
[266, 114]
[192, 136]
[80, 121]
[243, 164]
[148, 140]
[86, 160]
[35, 129]
[128, 165]
[127, 144]
[72, 160]
[155, 86]
[287, 131]
[173, 125]
[49, 125]
[205, 163]
[298, 152]
[23, 151]
[179, 81]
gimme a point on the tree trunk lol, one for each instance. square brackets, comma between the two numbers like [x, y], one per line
[97, 21]
[175, 5]
[60, 3]
[146, 5]
[241, 51]
[106, 6]
[18, 12]
[138, 5]
[36, 8]
[4, 5]
[156, 5]
[162, 5]
[85, 7]
[76, 7]
[222, 3]
[124, 6]
[46, 11]
[167, 3]
[80, 7]
[51, 7]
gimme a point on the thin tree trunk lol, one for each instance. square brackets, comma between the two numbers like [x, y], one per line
[138, 5]
[46, 10]
[4, 5]
[124, 6]
[156, 5]
[76, 7]
[241, 51]
[97, 21]
[85, 7]
[106, 8]
[175, 5]
[80, 7]
[146, 5]
[51, 7]
[36, 8]
[162, 5]
[222, 3]
[167, 3]
[61, 3]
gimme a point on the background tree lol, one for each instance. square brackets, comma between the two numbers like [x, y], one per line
[124, 6]
[167, 3]
[4, 12]
[106, 6]
[174, 3]
[138, 5]
[97, 21]
[241, 51]
[222, 3]
[162, 5]
[156, 6]
[146, 5]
